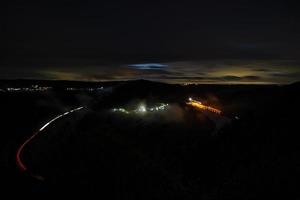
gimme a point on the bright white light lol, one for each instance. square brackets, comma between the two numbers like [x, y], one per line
[142, 108]
[122, 110]
[190, 99]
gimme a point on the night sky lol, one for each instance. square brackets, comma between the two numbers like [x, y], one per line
[185, 42]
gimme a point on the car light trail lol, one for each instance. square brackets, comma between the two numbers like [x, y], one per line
[19, 161]
[198, 105]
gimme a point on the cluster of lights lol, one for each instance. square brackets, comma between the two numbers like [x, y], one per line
[37, 88]
[142, 109]
[158, 108]
[122, 110]
[33, 88]
[185, 84]
[84, 89]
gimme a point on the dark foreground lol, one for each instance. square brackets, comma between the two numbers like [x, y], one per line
[176, 154]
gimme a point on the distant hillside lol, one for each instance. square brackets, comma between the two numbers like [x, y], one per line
[55, 83]
[295, 85]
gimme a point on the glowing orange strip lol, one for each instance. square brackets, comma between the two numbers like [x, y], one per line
[200, 106]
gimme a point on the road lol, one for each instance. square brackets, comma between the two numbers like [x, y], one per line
[213, 114]
[19, 161]
[198, 105]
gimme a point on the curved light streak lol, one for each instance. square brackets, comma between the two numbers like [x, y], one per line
[19, 161]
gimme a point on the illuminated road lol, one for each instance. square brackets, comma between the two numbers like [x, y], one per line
[212, 113]
[198, 105]
[21, 165]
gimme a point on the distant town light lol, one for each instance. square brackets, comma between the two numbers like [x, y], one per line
[142, 108]
[190, 99]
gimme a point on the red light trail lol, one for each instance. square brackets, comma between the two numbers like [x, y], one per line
[21, 165]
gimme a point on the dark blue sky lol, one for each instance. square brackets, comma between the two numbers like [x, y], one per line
[200, 41]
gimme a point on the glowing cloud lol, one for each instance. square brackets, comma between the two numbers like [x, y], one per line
[148, 66]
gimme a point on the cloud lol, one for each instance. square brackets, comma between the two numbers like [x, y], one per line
[253, 78]
[228, 78]
[148, 66]
[181, 77]
[286, 74]
[203, 71]
[261, 70]
[236, 78]
[216, 79]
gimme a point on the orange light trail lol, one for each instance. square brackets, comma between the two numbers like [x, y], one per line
[198, 105]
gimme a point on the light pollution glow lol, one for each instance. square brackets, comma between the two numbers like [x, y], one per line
[207, 72]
